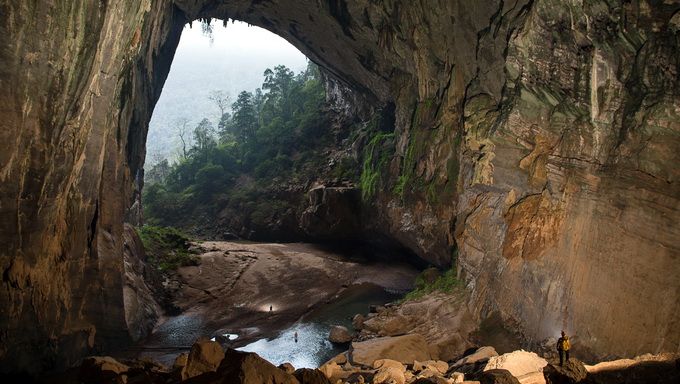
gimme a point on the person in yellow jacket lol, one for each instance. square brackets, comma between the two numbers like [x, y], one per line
[563, 346]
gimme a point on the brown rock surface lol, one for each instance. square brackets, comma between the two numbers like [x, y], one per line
[527, 367]
[648, 369]
[141, 306]
[404, 349]
[443, 319]
[100, 369]
[339, 334]
[311, 376]
[496, 376]
[572, 372]
[205, 356]
[539, 138]
[245, 368]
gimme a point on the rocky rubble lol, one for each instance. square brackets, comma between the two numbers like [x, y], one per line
[398, 364]
[439, 319]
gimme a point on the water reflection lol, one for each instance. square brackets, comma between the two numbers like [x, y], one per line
[309, 351]
[312, 348]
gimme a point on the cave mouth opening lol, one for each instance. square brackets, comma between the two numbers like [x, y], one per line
[245, 170]
[224, 123]
[240, 139]
[241, 131]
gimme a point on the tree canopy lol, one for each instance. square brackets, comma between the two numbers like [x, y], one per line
[267, 134]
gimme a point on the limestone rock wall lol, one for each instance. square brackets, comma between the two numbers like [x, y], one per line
[569, 216]
[535, 145]
[72, 127]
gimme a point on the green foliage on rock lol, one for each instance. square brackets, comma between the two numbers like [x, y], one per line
[377, 153]
[167, 248]
[447, 282]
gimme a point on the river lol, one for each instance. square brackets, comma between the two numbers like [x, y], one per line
[311, 348]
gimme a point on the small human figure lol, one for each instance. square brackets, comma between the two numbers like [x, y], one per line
[271, 309]
[563, 346]
[296, 336]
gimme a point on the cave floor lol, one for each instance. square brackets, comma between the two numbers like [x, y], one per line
[255, 290]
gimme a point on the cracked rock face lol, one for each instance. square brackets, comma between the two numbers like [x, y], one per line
[539, 138]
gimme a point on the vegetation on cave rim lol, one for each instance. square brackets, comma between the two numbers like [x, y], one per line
[167, 248]
[274, 135]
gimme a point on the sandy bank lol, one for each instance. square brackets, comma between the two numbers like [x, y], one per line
[236, 284]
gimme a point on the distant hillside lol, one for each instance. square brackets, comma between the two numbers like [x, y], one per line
[234, 62]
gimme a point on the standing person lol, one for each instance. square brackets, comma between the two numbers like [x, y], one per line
[563, 346]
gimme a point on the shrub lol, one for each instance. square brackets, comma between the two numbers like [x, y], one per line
[167, 248]
[448, 283]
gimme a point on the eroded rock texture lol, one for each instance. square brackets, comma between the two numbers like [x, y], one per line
[538, 137]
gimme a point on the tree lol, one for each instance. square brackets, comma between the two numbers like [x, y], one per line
[225, 128]
[209, 179]
[221, 99]
[278, 84]
[182, 126]
[204, 135]
[244, 119]
[159, 172]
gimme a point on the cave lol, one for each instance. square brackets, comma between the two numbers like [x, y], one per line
[535, 148]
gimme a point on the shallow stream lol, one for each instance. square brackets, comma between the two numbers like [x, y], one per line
[312, 348]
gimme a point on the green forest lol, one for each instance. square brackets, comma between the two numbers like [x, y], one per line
[269, 137]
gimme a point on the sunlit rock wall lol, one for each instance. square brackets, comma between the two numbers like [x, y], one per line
[535, 145]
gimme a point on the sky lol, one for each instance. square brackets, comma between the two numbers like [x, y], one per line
[237, 35]
[233, 61]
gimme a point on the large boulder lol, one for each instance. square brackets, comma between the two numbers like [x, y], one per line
[332, 370]
[389, 375]
[388, 325]
[404, 349]
[180, 361]
[387, 363]
[496, 376]
[340, 334]
[244, 368]
[100, 369]
[572, 372]
[287, 367]
[205, 356]
[358, 322]
[482, 355]
[438, 366]
[311, 376]
[525, 366]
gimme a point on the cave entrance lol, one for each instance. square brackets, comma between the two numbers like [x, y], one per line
[239, 109]
[213, 63]
[241, 131]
